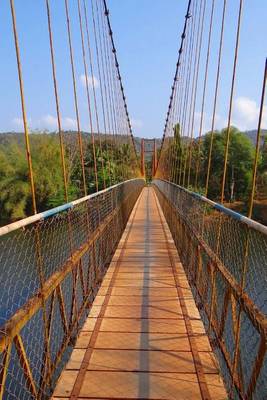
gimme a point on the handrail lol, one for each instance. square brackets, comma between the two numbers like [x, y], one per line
[224, 257]
[49, 213]
[51, 274]
[251, 223]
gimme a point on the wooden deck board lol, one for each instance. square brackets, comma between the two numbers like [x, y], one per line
[136, 344]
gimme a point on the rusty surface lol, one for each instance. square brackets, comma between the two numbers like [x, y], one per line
[224, 304]
[66, 297]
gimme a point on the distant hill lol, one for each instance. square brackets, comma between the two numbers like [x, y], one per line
[148, 143]
[253, 135]
[18, 137]
[70, 137]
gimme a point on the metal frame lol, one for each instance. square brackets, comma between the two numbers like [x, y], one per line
[50, 294]
[205, 272]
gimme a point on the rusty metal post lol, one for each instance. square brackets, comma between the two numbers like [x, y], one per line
[143, 157]
[154, 158]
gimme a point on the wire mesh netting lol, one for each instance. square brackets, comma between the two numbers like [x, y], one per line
[50, 273]
[224, 256]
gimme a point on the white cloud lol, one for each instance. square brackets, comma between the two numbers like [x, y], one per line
[245, 117]
[69, 123]
[219, 123]
[92, 80]
[136, 123]
[50, 122]
[47, 122]
[17, 122]
[246, 114]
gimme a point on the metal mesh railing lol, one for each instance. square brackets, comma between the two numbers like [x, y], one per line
[224, 256]
[50, 273]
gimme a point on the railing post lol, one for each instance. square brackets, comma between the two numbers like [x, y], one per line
[143, 157]
[154, 158]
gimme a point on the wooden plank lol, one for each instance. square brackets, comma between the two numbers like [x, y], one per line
[139, 291]
[154, 325]
[168, 303]
[139, 385]
[142, 361]
[143, 311]
[135, 344]
[142, 341]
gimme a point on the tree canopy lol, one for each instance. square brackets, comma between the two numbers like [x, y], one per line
[189, 162]
[239, 166]
[114, 164]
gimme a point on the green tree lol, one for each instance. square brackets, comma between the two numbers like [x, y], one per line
[239, 166]
[262, 171]
[14, 187]
[115, 163]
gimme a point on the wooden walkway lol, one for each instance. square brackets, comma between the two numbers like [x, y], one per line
[143, 338]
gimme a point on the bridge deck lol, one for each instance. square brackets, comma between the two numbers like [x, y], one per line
[143, 338]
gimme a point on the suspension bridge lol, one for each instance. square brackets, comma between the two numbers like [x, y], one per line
[140, 283]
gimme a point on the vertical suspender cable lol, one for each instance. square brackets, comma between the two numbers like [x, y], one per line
[23, 107]
[94, 97]
[61, 140]
[215, 99]
[191, 86]
[258, 142]
[228, 132]
[199, 45]
[185, 99]
[119, 75]
[187, 16]
[101, 90]
[88, 95]
[204, 94]
[75, 98]
[106, 89]
[110, 99]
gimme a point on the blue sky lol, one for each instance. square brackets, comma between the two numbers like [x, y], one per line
[147, 37]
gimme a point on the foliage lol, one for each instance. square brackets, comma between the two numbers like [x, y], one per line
[115, 162]
[189, 163]
[239, 166]
[14, 187]
[262, 172]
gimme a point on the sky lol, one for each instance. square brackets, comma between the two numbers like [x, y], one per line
[147, 37]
